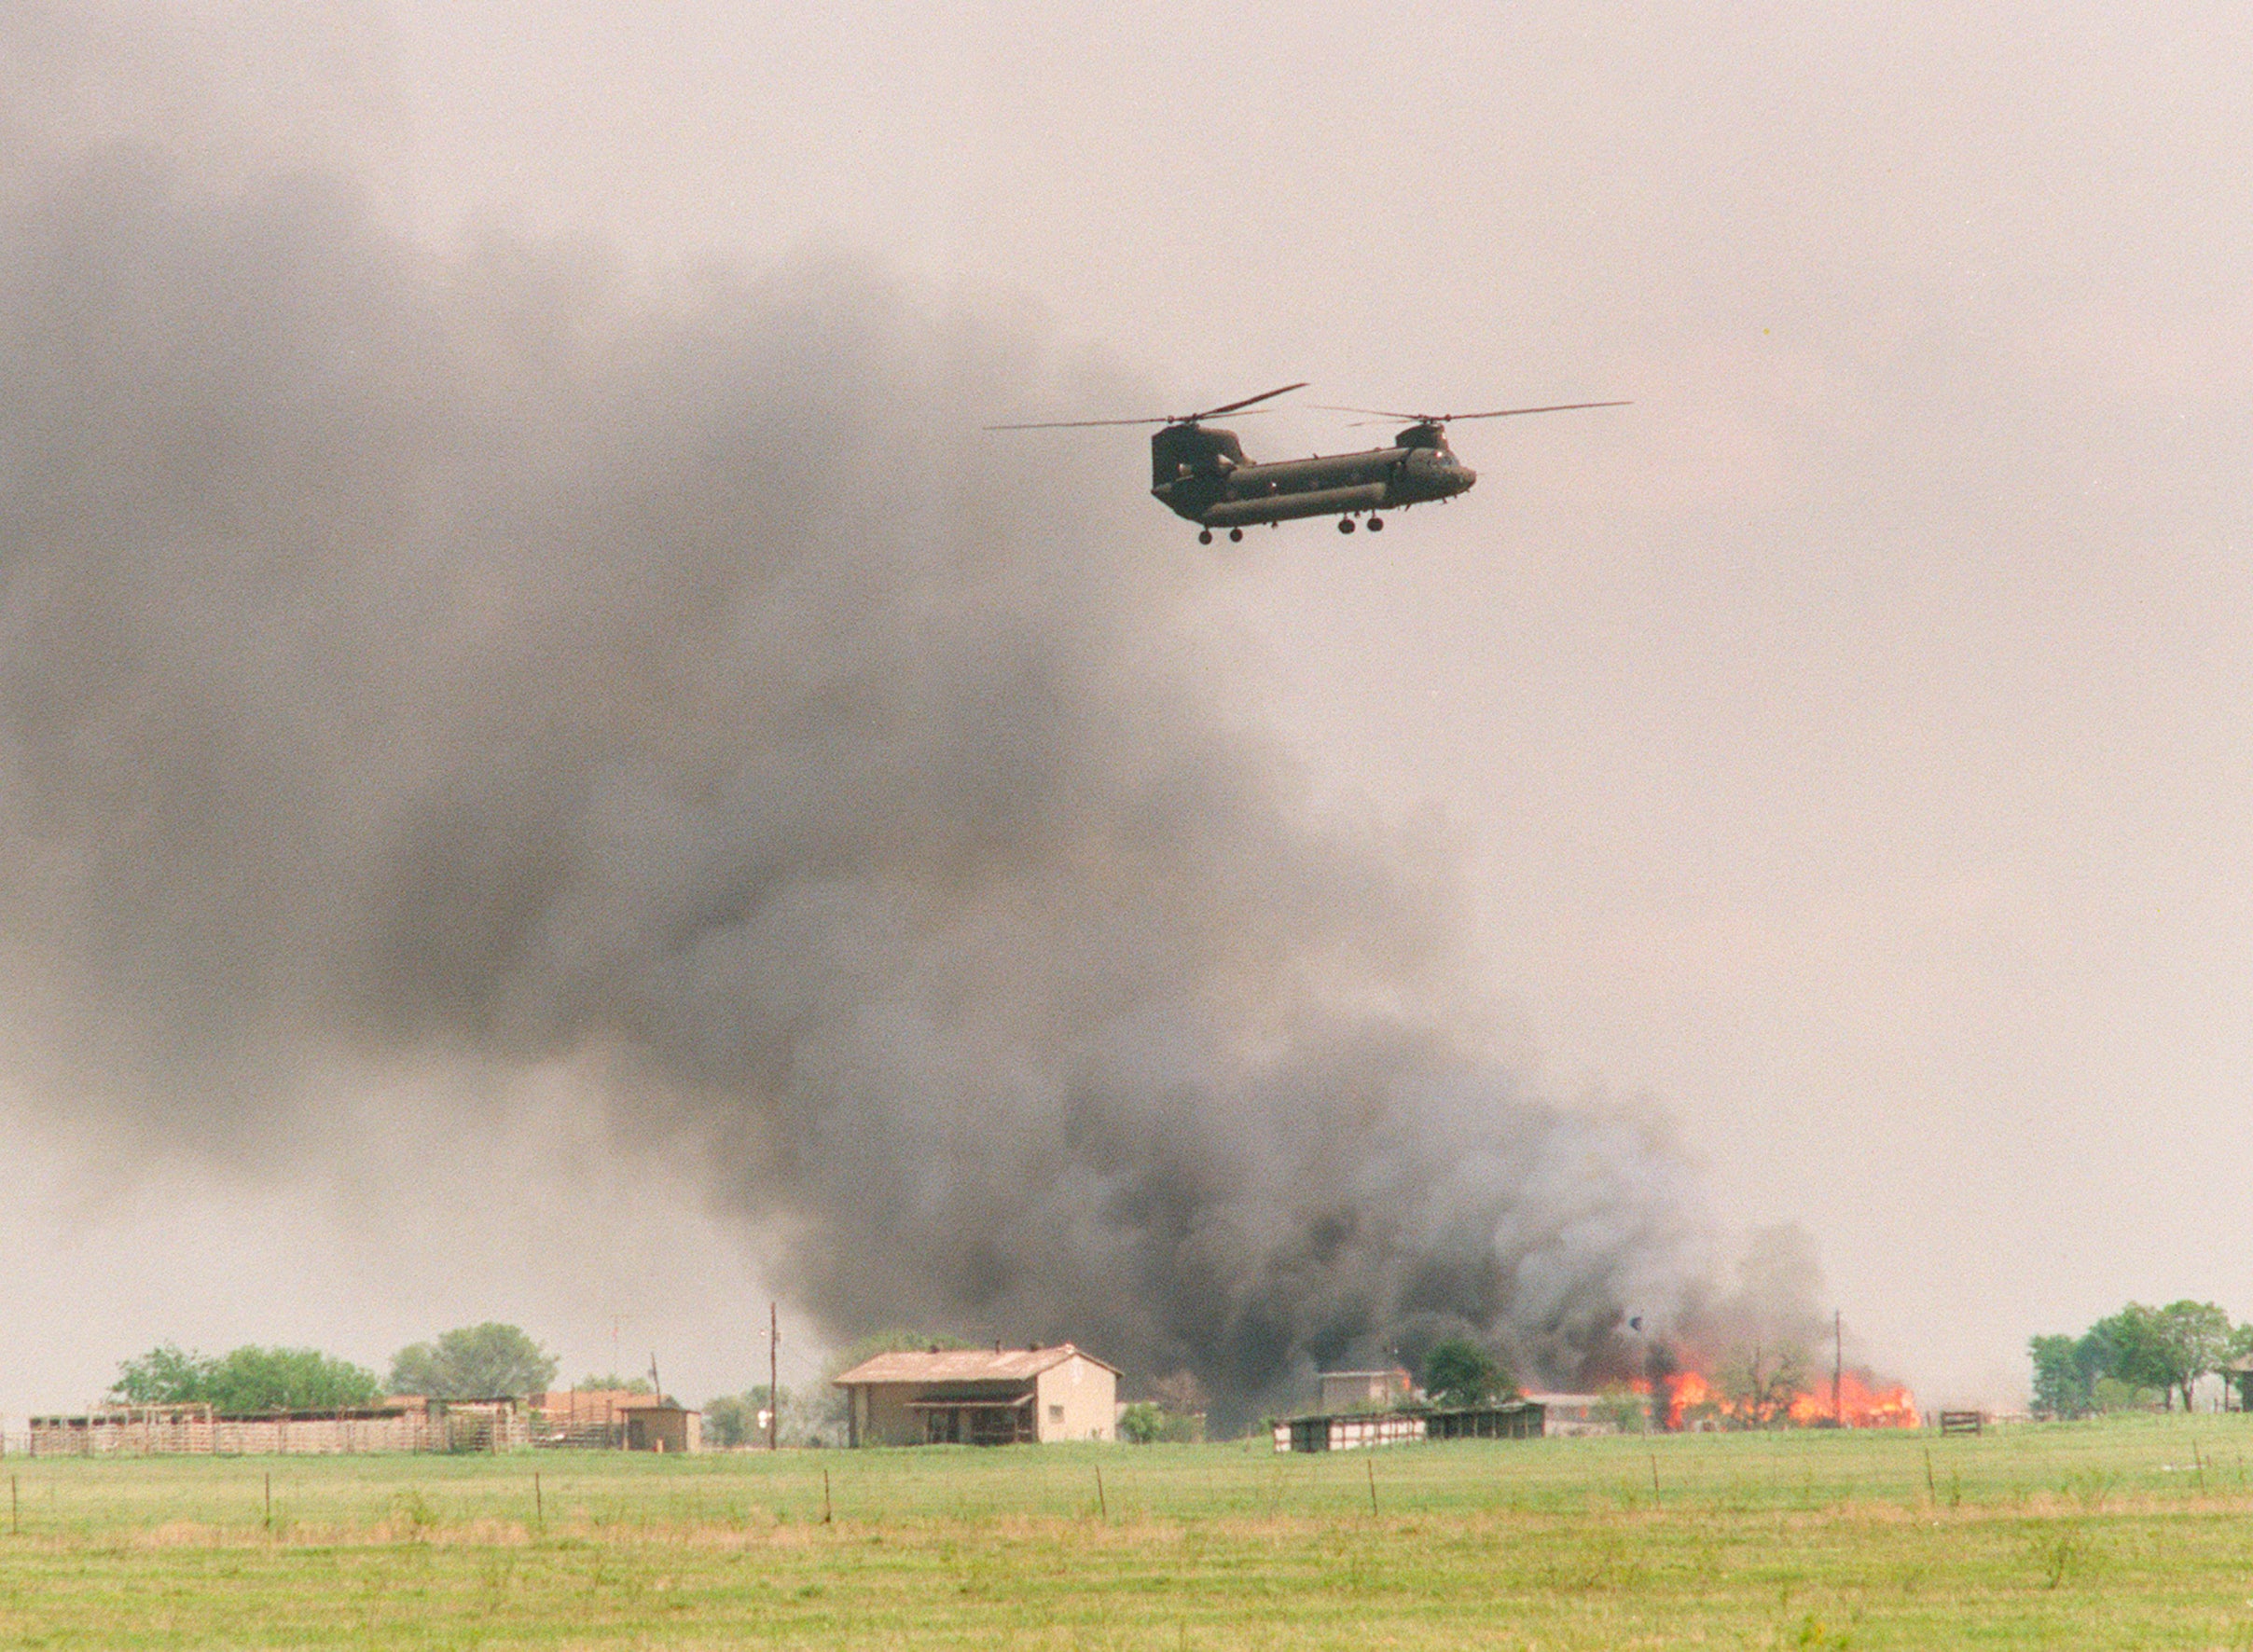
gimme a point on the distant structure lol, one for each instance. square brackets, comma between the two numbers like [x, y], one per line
[980, 1396]
[614, 1418]
[1571, 1414]
[664, 1426]
[1530, 1416]
[2237, 1383]
[1366, 1391]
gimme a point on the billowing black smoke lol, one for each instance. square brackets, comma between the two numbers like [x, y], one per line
[405, 653]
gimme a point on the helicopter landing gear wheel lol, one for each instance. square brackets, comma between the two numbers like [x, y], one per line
[1236, 536]
[1377, 524]
[1345, 523]
[1205, 536]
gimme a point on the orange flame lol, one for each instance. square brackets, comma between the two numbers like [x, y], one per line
[1690, 1397]
[1859, 1405]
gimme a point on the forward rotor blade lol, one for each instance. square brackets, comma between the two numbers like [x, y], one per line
[1450, 417]
[1093, 423]
[1232, 406]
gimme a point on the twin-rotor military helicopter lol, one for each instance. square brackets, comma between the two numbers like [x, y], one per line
[1202, 474]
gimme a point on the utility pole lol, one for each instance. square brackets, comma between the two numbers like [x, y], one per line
[774, 1393]
[1838, 1366]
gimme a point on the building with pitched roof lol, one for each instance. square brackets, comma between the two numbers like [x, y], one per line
[981, 1396]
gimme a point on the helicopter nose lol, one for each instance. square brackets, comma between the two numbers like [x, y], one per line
[1464, 477]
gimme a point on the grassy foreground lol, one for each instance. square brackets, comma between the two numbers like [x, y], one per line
[2130, 1533]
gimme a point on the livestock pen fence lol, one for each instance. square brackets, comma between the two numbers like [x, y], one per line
[459, 1426]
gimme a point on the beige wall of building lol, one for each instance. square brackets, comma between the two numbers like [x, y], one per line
[655, 1428]
[881, 1417]
[1076, 1400]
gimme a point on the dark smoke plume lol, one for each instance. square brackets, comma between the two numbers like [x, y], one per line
[406, 654]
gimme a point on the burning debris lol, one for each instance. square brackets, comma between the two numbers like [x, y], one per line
[1689, 1400]
[1759, 1356]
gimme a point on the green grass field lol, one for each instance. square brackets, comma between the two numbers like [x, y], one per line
[2131, 1533]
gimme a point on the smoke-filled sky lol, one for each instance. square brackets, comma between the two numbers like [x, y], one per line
[1840, 748]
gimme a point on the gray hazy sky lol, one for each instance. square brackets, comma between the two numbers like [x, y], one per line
[1843, 744]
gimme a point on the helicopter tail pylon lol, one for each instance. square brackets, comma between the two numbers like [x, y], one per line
[1183, 449]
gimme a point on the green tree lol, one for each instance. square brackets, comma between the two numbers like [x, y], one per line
[1174, 1413]
[2165, 1348]
[613, 1384]
[2124, 1348]
[2064, 1384]
[733, 1419]
[2116, 1394]
[1143, 1423]
[1459, 1372]
[164, 1376]
[812, 1414]
[1154, 1422]
[2193, 1340]
[484, 1361]
[252, 1379]
[248, 1380]
[2104, 1351]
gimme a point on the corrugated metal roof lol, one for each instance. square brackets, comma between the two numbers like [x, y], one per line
[966, 1365]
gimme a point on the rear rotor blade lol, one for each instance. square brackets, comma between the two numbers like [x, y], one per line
[1513, 412]
[1176, 418]
[1075, 423]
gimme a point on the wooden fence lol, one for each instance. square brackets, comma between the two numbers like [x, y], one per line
[154, 1431]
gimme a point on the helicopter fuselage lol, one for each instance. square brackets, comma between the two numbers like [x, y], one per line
[1202, 474]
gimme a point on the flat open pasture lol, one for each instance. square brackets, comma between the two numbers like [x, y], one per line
[2129, 1533]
